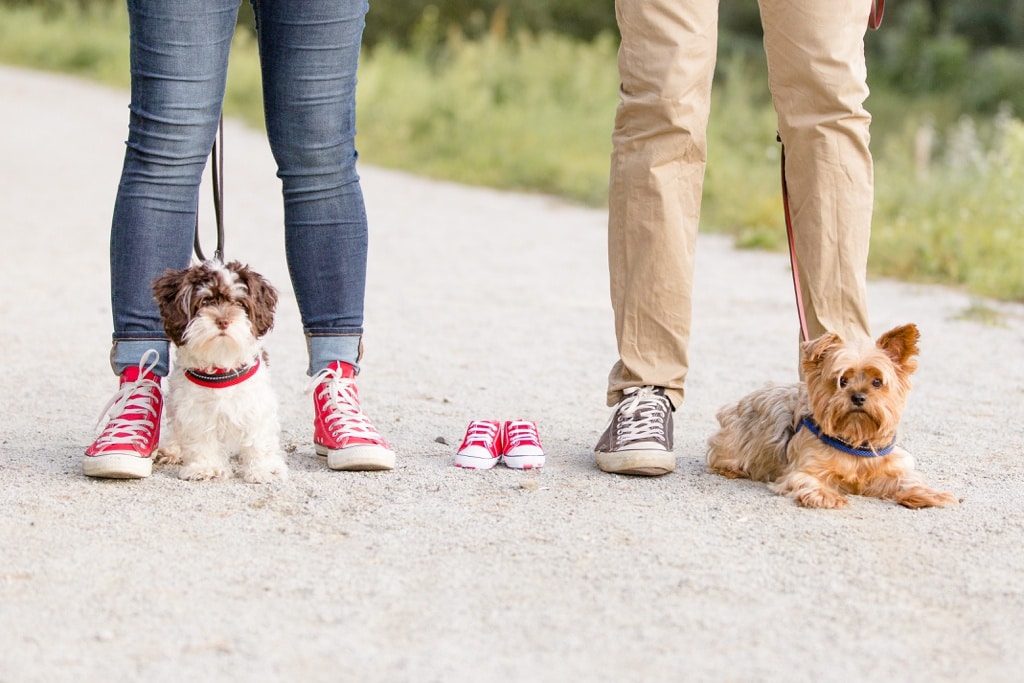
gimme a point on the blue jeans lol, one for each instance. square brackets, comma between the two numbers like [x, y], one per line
[309, 52]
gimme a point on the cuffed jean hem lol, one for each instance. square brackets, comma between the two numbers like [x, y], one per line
[324, 349]
[128, 353]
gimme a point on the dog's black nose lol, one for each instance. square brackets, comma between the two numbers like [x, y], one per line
[858, 399]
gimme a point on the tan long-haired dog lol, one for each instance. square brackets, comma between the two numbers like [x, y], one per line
[833, 434]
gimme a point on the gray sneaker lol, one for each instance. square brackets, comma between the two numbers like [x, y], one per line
[638, 439]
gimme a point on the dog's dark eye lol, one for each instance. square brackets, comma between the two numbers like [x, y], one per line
[843, 382]
[877, 383]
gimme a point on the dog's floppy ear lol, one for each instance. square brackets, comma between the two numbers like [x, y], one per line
[900, 344]
[816, 350]
[262, 299]
[173, 299]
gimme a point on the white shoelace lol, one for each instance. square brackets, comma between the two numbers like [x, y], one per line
[132, 398]
[522, 433]
[481, 434]
[646, 411]
[346, 418]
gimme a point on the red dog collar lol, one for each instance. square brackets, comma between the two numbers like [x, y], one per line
[219, 378]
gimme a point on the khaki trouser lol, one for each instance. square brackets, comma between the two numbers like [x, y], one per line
[817, 77]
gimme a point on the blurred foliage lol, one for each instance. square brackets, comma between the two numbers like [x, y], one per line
[948, 205]
[398, 21]
[524, 112]
[973, 50]
[52, 7]
[487, 98]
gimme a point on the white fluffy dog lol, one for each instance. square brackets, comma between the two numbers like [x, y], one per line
[220, 401]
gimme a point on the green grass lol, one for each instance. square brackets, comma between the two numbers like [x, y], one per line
[535, 113]
[88, 43]
[960, 219]
[529, 113]
[93, 43]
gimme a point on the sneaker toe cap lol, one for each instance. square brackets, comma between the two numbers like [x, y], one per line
[476, 451]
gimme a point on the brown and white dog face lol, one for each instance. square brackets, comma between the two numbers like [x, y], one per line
[220, 401]
[216, 311]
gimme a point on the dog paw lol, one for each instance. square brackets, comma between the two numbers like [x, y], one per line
[203, 472]
[726, 472]
[822, 498]
[167, 455]
[265, 474]
[924, 498]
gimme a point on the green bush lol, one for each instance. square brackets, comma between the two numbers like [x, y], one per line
[90, 41]
[60, 7]
[397, 21]
[743, 157]
[532, 113]
[957, 218]
[997, 79]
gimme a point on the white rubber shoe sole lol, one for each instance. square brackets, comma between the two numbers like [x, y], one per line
[358, 458]
[117, 466]
[475, 458]
[530, 461]
[639, 462]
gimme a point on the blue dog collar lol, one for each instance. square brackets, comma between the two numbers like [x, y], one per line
[843, 446]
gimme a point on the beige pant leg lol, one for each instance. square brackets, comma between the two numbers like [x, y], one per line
[666, 63]
[818, 80]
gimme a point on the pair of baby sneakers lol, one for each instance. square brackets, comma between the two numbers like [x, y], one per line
[513, 442]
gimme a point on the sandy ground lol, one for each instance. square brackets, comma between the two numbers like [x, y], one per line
[481, 305]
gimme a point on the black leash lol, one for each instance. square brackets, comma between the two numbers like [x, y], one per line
[217, 173]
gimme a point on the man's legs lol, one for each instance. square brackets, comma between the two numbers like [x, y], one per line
[666, 64]
[818, 79]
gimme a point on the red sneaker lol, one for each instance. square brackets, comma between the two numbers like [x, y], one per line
[340, 429]
[522, 445]
[481, 447]
[125, 446]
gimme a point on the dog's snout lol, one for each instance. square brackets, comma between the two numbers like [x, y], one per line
[223, 322]
[859, 399]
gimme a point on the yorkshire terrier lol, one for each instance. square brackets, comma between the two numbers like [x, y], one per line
[220, 401]
[834, 433]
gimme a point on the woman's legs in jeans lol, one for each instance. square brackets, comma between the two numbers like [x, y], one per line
[179, 56]
[309, 53]
[179, 53]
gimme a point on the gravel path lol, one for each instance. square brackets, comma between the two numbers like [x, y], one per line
[480, 304]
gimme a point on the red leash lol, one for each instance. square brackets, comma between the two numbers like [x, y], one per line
[792, 251]
[875, 18]
[874, 21]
